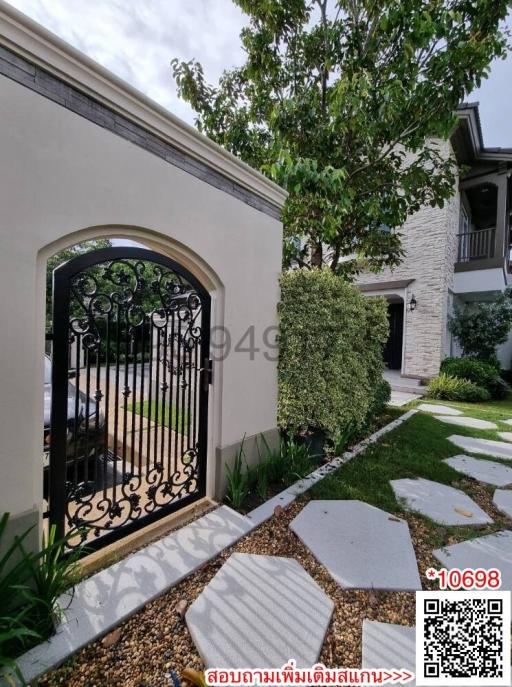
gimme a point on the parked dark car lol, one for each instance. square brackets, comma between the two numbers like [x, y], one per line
[85, 441]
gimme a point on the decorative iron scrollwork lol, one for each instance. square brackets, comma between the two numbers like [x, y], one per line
[136, 332]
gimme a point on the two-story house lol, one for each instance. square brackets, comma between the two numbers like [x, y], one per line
[454, 254]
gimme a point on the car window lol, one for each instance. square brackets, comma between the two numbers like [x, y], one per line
[47, 370]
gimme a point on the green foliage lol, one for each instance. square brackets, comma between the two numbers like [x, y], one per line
[238, 479]
[296, 459]
[381, 397]
[330, 364]
[455, 389]
[341, 102]
[477, 371]
[63, 256]
[481, 327]
[275, 469]
[498, 388]
[30, 585]
[480, 372]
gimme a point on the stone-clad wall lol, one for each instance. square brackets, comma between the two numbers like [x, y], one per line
[429, 240]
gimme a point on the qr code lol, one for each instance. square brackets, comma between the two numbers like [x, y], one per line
[463, 638]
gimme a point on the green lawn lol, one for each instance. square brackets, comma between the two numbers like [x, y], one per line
[161, 415]
[491, 410]
[415, 449]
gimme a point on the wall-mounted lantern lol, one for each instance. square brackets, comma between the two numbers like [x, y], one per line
[413, 303]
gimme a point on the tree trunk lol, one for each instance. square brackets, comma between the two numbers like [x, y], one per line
[316, 255]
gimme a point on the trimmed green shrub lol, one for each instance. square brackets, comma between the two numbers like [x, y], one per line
[380, 399]
[330, 364]
[479, 372]
[455, 389]
[498, 388]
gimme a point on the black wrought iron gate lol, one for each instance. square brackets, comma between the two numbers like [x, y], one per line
[129, 392]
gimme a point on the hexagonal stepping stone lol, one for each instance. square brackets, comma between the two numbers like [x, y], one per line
[439, 409]
[464, 421]
[487, 447]
[259, 611]
[491, 551]
[439, 502]
[502, 499]
[507, 422]
[361, 546]
[388, 646]
[506, 436]
[486, 471]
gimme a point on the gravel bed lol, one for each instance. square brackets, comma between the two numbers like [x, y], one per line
[142, 651]
[155, 640]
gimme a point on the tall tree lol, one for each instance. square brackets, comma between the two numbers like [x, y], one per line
[345, 103]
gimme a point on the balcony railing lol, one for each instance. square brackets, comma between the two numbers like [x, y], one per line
[476, 245]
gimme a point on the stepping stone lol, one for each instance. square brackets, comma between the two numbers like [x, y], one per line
[439, 409]
[401, 398]
[506, 436]
[388, 646]
[486, 471]
[463, 421]
[259, 611]
[361, 546]
[488, 447]
[507, 422]
[502, 499]
[439, 502]
[491, 551]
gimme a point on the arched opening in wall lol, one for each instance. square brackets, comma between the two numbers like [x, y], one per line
[393, 348]
[126, 389]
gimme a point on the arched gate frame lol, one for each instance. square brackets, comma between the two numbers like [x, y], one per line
[129, 393]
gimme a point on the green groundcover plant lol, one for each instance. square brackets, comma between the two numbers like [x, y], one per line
[31, 584]
[330, 364]
[451, 388]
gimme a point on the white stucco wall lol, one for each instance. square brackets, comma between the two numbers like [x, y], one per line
[64, 179]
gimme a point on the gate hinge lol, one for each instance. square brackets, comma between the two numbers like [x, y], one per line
[207, 371]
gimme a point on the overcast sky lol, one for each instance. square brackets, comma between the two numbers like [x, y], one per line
[136, 39]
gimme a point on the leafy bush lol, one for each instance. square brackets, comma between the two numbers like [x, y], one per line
[479, 372]
[481, 327]
[330, 365]
[381, 397]
[30, 585]
[498, 388]
[455, 389]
